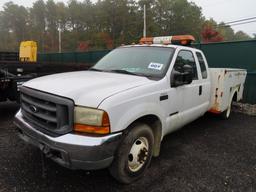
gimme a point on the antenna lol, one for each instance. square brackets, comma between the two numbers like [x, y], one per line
[145, 22]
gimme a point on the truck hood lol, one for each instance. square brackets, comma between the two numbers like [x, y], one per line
[86, 88]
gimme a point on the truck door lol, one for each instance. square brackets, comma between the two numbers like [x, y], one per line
[205, 82]
[191, 94]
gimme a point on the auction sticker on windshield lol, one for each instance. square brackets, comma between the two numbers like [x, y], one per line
[156, 66]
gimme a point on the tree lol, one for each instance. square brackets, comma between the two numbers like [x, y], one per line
[105, 24]
[52, 26]
[38, 23]
[15, 19]
[113, 18]
[241, 36]
[7, 37]
[211, 35]
[186, 18]
[226, 31]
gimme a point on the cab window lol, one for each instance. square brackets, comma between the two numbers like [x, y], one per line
[202, 65]
[185, 58]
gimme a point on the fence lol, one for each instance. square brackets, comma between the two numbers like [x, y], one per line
[90, 57]
[238, 54]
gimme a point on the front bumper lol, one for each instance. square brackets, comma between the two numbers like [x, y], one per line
[71, 150]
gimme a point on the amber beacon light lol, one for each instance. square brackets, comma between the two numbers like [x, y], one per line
[166, 40]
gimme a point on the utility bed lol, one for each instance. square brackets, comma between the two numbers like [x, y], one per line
[225, 82]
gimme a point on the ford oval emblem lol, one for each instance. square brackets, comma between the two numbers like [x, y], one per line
[33, 108]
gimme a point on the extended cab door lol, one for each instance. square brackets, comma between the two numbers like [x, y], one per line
[205, 82]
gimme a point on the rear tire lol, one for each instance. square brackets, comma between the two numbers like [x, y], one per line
[133, 155]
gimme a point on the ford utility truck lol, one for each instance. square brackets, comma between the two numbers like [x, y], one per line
[116, 114]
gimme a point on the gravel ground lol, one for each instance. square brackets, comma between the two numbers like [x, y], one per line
[245, 108]
[208, 155]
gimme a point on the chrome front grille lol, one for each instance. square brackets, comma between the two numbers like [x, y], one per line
[49, 113]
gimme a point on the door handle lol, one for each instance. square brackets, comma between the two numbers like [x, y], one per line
[163, 97]
[200, 89]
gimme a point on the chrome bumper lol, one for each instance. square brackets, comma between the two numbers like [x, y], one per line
[71, 150]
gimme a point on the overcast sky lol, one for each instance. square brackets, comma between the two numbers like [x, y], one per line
[219, 10]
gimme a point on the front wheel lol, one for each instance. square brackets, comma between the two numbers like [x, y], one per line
[133, 155]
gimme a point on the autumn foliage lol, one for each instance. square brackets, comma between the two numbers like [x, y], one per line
[83, 46]
[105, 37]
[211, 35]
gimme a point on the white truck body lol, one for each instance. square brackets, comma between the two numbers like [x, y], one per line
[126, 99]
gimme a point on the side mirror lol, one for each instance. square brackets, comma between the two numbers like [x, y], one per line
[188, 77]
[188, 69]
[180, 79]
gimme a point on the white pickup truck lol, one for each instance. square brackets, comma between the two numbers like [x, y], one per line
[116, 114]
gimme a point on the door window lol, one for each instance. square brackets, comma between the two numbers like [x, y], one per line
[185, 58]
[202, 65]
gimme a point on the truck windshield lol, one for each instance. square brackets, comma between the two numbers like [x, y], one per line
[142, 61]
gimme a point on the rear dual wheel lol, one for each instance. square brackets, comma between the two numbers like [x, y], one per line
[133, 155]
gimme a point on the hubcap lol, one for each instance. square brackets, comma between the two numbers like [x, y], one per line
[138, 154]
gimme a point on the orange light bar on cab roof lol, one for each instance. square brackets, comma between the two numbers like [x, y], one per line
[146, 40]
[165, 40]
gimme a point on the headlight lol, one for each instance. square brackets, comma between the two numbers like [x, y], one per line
[90, 120]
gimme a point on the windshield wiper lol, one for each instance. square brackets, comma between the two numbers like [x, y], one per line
[123, 71]
[117, 71]
[94, 69]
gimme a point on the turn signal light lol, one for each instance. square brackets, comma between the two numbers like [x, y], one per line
[91, 129]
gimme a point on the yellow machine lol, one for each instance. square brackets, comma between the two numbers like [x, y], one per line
[28, 51]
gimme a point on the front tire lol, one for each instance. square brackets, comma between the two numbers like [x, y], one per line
[133, 155]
